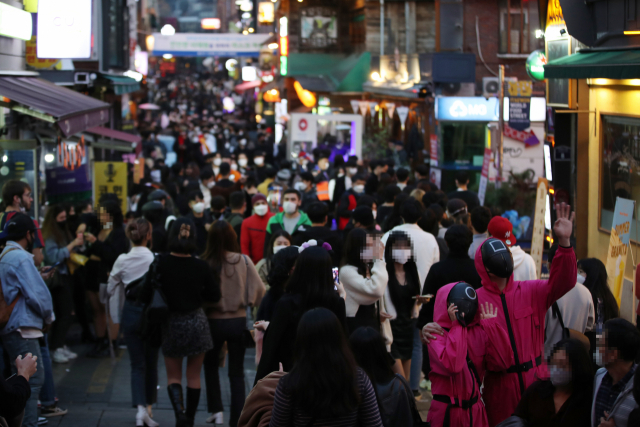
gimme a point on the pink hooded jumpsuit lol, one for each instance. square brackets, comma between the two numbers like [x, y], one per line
[522, 307]
[452, 378]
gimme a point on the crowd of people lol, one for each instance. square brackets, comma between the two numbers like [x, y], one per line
[361, 285]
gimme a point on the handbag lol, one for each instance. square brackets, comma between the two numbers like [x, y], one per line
[248, 339]
[6, 309]
[157, 311]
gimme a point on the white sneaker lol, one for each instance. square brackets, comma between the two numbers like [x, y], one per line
[59, 356]
[69, 354]
[216, 418]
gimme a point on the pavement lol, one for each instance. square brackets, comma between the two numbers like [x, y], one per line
[97, 392]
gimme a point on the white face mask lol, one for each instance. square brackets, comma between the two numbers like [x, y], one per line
[359, 189]
[217, 162]
[559, 377]
[401, 256]
[259, 161]
[352, 171]
[261, 210]
[198, 208]
[234, 167]
[366, 254]
[242, 163]
[277, 248]
[598, 357]
[211, 184]
[375, 213]
[300, 186]
[289, 207]
[581, 279]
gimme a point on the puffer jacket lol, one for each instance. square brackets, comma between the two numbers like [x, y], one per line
[525, 305]
[485, 343]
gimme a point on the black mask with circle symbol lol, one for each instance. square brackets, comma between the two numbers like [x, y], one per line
[497, 258]
[464, 297]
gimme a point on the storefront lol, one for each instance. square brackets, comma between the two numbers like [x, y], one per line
[468, 125]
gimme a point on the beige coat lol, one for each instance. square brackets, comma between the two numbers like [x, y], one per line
[240, 286]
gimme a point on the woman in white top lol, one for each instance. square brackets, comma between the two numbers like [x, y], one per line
[124, 283]
[364, 277]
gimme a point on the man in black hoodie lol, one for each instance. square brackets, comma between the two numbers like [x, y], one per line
[319, 231]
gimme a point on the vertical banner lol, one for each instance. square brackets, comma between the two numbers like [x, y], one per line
[403, 113]
[435, 176]
[537, 239]
[364, 107]
[433, 145]
[619, 245]
[111, 177]
[355, 104]
[484, 175]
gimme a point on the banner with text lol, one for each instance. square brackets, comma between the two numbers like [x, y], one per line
[111, 177]
[619, 245]
[537, 238]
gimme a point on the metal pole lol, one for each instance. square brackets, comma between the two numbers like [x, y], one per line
[381, 33]
[500, 149]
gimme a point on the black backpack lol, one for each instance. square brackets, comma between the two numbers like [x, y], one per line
[397, 404]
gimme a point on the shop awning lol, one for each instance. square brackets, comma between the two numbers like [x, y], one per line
[320, 72]
[248, 85]
[387, 89]
[620, 64]
[119, 84]
[73, 112]
[116, 139]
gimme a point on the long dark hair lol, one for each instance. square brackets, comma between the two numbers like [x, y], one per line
[581, 364]
[221, 240]
[395, 218]
[596, 282]
[186, 244]
[356, 242]
[268, 255]
[51, 228]
[324, 377]
[280, 270]
[410, 268]
[113, 209]
[370, 352]
[312, 278]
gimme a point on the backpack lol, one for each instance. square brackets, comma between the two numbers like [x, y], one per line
[6, 309]
[397, 404]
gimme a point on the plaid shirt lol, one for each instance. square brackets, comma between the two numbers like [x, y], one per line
[608, 392]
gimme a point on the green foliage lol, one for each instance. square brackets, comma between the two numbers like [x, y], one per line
[518, 193]
[375, 143]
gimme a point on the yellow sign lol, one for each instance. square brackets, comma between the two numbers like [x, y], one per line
[554, 14]
[520, 88]
[33, 60]
[537, 239]
[619, 245]
[111, 177]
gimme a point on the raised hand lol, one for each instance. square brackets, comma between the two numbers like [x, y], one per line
[563, 226]
[489, 312]
[452, 310]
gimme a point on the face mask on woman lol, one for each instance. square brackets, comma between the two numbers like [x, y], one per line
[242, 163]
[401, 256]
[259, 161]
[581, 279]
[358, 189]
[559, 376]
[198, 208]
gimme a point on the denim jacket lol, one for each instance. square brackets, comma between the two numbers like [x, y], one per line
[18, 273]
[54, 253]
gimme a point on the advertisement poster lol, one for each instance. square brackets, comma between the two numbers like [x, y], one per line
[537, 239]
[484, 175]
[435, 176]
[619, 245]
[433, 142]
[111, 177]
[318, 27]
[519, 104]
[68, 185]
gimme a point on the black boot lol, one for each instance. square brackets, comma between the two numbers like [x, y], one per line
[101, 349]
[175, 395]
[193, 398]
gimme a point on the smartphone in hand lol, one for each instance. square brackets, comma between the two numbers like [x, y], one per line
[336, 277]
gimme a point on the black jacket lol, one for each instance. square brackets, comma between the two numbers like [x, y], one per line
[455, 268]
[324, 234]
[108, 251]
[14, 393]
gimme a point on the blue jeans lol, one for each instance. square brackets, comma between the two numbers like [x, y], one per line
[416, 360]
[144, 359]
[48, 392]
[16, 346]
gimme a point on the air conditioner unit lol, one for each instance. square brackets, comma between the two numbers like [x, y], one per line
[491, 85]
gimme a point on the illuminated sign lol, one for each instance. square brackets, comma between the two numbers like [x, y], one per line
[284, 46]
[480, 109]
[249, 74]
[284, 65]
[266, 12]
[210, 23]
[535, 65]
[15, 23]
[284, 27]
[64, 29]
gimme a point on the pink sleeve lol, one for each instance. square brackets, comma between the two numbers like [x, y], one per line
[499, 355]
[448, 355]
[562, 277]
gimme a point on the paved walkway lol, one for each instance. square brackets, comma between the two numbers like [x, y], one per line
[97, 392]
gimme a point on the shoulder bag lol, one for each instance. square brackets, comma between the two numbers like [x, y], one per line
[248, 339]
[157, 311]
[6, 309]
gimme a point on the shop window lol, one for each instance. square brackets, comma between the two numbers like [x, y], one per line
[620, 166]
[518, 24]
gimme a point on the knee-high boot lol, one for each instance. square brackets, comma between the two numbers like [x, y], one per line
[193, 399]
[175, 395]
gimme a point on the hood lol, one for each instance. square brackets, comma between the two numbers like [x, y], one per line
[440, 314]
[487, 283]
[518, 256]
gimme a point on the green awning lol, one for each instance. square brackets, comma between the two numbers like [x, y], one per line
[324, 72]
[120, 84]
[620, 64]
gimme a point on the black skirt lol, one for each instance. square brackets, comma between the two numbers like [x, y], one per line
[186, 334]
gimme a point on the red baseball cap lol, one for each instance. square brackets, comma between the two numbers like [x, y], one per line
[502, 229]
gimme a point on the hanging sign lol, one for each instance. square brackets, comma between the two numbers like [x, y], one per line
[71, 156]
[484, 175]
[433, 142]
[364, 107]
[619, 244]
[111, 177]
[372, 108]
[519, 104]
[537, 238]
[529, 138]
[391, 108]
[355, 104]
[403, 113]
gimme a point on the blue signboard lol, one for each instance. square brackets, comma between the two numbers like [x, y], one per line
[472, 108]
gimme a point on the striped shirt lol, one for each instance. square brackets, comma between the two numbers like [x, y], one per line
[285, 414]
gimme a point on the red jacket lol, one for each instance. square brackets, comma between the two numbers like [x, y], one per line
[252, 235]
